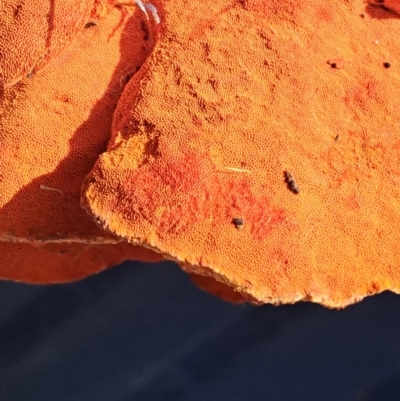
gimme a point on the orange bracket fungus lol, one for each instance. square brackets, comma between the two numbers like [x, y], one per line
[234, 94]
[32, 32]
[50, 263]
[52, 129]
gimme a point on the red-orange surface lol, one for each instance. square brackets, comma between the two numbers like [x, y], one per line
[51, 263]
[241, 152]
[392, 5]
[33, 32]
[53, 126]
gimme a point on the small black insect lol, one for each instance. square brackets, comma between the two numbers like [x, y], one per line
[291, 182]
[386, 64]
[238, 222]
[90, 24]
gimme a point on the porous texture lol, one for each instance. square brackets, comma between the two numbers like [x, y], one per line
[52, 128]
[236, 95]
[33, 32]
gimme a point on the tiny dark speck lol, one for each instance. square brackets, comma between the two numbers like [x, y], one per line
[238, 222]
[291, 182]
[337, 138]
[386, 64]
[337, 63]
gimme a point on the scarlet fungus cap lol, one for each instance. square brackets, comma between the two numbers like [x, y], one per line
[234, 95]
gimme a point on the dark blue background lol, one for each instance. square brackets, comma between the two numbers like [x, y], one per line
[145, 332]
